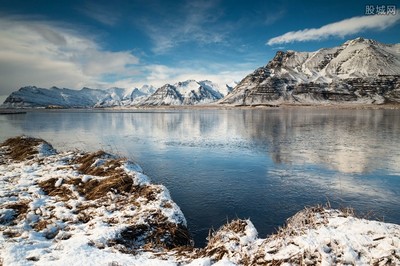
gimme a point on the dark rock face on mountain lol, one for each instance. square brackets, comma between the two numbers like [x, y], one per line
[359, 71]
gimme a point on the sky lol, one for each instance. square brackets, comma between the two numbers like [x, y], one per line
[102, 44]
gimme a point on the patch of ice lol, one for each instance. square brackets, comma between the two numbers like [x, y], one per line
[141, 179]
[132, 167]
[44, 149]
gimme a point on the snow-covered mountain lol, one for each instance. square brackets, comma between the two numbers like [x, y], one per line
[189, 92]
[359, 70]
[125, 97]
[32, 96]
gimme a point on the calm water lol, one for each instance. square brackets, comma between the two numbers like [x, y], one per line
[259, 164]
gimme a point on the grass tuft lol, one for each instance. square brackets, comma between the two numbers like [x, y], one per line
[20, 208]
[157, 234]
[22, 147]
[95, 189]
[63, 192]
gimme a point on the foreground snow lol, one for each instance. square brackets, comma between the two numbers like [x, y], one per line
[96, 209]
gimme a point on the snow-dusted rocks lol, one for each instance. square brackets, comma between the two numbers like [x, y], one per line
[360, 70]
[80, 208]
[189, 92]
[76, 208]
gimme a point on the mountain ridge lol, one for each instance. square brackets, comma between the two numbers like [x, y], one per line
[187, 92]
[359, 70]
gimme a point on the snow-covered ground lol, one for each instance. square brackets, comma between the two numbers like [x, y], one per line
[77, 208]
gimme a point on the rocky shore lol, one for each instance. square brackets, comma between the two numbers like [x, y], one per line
[77, 208]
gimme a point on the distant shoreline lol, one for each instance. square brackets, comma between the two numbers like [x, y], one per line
[11, 111]
[340, 106]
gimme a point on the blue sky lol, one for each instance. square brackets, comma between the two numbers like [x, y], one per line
[102, 44]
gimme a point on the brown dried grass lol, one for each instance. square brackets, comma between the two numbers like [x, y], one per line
[110, 167]
[95, 189]
[20, 208]
[117, 180]
[42, 224]
[237, 226]
[10, 233]
[150, 192]
[215, 247]
[22, 148]
[157, 234]
[91, 190]
[297, 225]
[63, 192]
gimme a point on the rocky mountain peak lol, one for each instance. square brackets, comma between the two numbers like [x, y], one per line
[189, 92]
[359, 69]
[360, 40]
[281, 57]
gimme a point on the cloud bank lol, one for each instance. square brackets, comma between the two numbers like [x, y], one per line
[44, 54]
[338, 29]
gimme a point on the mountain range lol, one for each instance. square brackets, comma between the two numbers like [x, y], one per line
[32, 96]
[358, 71]
[189, 92]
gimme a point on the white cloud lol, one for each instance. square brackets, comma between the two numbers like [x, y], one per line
[341, 29]
[45, 54]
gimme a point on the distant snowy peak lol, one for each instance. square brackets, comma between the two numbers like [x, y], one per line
[148, 89]
[189, 92]
[358, 70]
[125, 97]
[32, 96]
[222, 89]
[353, 59]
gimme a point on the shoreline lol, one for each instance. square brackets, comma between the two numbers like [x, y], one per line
[103, 209]
[345, 106]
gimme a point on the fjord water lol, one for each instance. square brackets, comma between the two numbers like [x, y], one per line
[260, 164]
